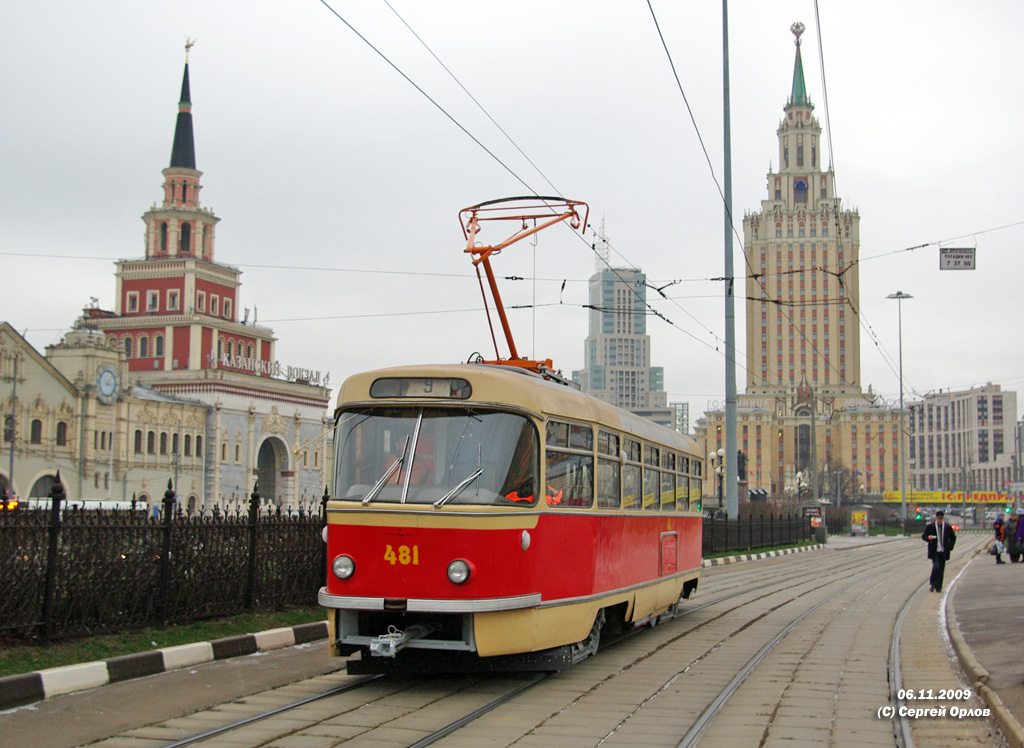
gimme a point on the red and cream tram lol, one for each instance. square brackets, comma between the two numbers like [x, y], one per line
[491, 516]
[484, 509]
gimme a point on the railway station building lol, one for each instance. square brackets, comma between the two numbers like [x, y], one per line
[199, 392]
[806, 426]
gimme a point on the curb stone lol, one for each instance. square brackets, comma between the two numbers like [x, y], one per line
[18, 690]
[710, 562]
[978, 675]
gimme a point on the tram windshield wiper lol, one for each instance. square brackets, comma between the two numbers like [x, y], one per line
[458, 489]
[387, 475]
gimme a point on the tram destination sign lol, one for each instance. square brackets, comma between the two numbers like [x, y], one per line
[953, 258]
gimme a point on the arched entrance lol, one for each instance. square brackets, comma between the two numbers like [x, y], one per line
[804, 434]
[271, 461]
[41, 488]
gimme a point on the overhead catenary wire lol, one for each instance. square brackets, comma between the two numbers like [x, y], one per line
[427, 96]
[476, 140]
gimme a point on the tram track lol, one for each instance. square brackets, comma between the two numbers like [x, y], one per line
[751, 609]
[712, 711]
[715, 705]
[734, 591]
[272, 713]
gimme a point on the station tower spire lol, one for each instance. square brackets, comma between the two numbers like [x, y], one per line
[180, 226]
[183, 152]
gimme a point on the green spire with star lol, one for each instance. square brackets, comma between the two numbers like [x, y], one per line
[798, 96]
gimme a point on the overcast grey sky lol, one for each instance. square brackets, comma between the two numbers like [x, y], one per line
[339, 184]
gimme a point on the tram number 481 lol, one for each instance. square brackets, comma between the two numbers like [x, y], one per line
[404, 556]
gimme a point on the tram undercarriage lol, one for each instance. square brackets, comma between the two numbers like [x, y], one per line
[402, 642]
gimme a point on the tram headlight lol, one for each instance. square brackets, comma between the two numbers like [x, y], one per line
[343, 567]
[458, 571]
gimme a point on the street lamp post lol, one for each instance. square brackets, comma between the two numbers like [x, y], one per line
[900, 296]
[716, 462]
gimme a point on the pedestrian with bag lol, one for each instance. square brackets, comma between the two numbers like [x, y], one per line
[940, 538]
[1019, 534]
[1000, 533]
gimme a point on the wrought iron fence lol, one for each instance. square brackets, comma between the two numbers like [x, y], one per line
[77, 572]
[753, 533]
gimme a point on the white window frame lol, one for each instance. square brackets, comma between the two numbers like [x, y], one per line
[132, 301]
[173, 299]
[152, 301]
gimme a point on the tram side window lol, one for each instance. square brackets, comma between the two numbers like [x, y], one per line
[631, 472]
[668, 491]
[652, 481]
[652, 487]
[570, 479]
[689, 499]
[682, 492]
[569, 464]
[581, 437]
[557, 434]
[608, 469]
[668, 480]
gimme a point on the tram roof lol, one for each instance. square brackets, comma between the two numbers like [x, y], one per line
[495, 385]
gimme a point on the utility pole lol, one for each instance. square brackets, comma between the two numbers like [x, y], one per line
[14, 426]
[731, 483]
[899, 296]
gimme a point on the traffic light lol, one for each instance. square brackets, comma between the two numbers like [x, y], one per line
[917, 511]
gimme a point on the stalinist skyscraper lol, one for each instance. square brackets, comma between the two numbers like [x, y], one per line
[804, 413]
[802, 274]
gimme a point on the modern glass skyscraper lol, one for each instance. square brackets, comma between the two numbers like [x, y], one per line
[617, 351]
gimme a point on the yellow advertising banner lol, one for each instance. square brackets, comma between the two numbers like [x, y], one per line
[858, 522]
[947, 497]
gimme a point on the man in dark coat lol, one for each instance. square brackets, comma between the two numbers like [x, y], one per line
[941, 539]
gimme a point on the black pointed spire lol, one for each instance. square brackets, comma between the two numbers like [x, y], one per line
[183, 152]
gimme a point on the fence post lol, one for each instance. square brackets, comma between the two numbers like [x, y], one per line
[53, 531]
[323, 516]
[165, 555]
[250, 576]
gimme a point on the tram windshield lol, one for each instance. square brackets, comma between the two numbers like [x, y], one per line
[439, 456]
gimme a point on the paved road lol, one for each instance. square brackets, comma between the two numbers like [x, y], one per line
[980, 607]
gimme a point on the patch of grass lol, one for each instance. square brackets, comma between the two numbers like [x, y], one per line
[16, 659]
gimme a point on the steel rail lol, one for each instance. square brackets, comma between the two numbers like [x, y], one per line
[463, 721]
[712, 710]
[287, 707]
